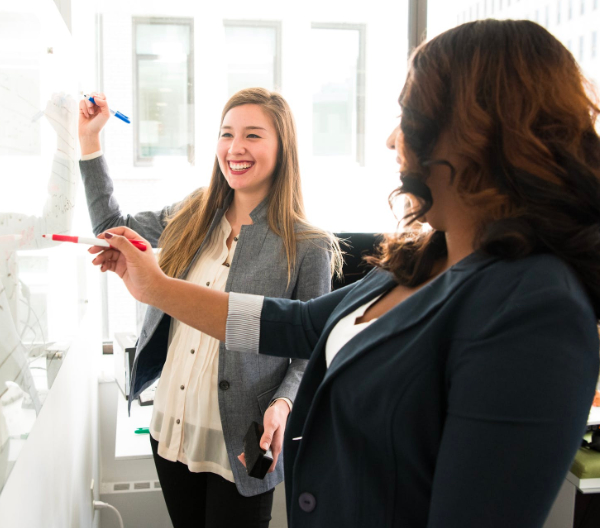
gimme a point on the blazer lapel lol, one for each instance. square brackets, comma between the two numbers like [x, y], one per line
[215, 222]
[420, 305]
[374, 284]
[410, 312]
[250, 243]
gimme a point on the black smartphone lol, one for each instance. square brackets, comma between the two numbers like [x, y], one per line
[258, 461]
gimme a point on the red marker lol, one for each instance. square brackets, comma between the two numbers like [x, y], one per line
[91, 241]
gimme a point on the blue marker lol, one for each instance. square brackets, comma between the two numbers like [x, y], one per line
[118, 114]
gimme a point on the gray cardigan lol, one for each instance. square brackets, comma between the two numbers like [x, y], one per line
[247, 383]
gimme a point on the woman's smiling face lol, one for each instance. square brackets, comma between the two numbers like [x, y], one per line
[247, 149]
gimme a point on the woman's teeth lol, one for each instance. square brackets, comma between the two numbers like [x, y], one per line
[239, 166]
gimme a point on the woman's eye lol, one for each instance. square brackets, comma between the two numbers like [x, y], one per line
[226, 134]
[253, 136]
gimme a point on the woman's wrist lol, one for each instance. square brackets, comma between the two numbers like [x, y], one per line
[89, 144]
[158, 295]
[284, 403]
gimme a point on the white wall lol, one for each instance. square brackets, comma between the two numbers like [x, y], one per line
[64, 6]
[50, 482]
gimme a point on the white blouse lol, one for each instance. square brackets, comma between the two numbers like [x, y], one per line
[345, 330]
[186, 420]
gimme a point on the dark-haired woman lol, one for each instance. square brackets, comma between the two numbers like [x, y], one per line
[450, 387]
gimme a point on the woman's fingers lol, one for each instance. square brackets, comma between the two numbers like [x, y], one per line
[139, 269]
[92, 106]
[105, 254]
[242, 459]
[89, 109]
[125, 232]
[101, 106]
[96, 249]
[83, 108]
[122, 243]
[276, 446]
[111, 260]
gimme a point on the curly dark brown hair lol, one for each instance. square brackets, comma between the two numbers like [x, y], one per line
[519, 111]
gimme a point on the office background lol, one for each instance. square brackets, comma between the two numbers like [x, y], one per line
[171, 66]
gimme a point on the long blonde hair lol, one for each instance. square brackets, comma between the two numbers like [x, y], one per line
[189, 225]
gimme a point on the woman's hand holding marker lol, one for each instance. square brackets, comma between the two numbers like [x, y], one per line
[92, 118]
[138, 269]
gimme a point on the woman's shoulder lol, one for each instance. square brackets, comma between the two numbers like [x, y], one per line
[523, 293]
[541, 275]
[544, 269]
[311, 237]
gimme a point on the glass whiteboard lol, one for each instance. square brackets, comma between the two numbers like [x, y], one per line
[42, 285]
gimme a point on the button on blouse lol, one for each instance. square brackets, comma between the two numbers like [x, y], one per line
[186, 420]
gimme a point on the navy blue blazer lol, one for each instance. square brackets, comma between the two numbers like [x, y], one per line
[461, 407]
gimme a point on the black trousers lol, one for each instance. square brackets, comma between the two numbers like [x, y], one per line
[206, 500]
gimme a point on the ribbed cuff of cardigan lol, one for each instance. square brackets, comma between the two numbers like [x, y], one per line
[93, 155]
[242, 333]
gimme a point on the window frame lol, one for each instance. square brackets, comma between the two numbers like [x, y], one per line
[361, 82]
[269, 24]
[146, 161]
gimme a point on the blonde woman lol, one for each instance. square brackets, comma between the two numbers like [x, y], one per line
[246, 232]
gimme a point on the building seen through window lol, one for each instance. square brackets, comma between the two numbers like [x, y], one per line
[262, 67]
[338, 91]
[575, 31]
[164, 78]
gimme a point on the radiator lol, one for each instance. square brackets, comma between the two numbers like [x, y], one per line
[140, 503]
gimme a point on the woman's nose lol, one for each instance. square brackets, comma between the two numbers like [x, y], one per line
[391, 140]
[237, 146]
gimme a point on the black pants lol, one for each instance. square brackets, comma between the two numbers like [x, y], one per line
[206, 500]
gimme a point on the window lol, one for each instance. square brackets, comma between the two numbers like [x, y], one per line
[582, 44]
[338, 90]
[262, 67]
[163, 89]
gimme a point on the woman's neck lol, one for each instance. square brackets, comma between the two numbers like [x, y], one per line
[241, 207]
[459, 245]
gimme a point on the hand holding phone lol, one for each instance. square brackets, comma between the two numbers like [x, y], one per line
[258, 461]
